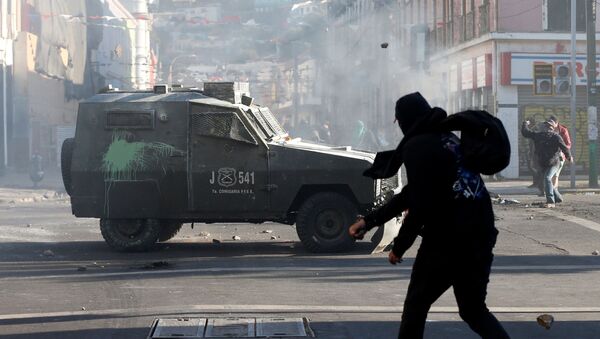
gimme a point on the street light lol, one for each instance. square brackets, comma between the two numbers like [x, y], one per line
[170, 79]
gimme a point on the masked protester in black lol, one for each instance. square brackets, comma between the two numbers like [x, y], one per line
[450, 208]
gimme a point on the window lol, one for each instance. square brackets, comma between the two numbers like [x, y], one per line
[225, 125]
[130, 120]
[558, 16]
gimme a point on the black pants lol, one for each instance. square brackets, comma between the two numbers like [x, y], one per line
[433, 274]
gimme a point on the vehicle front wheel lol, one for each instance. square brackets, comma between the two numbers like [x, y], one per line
[323, 221]
[168, 229]
[130, 235]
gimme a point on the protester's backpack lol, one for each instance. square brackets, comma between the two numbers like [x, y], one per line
[483, 140]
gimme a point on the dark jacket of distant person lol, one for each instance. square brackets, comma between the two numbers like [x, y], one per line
[548, 145]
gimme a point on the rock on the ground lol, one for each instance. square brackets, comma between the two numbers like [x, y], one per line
[545, 320]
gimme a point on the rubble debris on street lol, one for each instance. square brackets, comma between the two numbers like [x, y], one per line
[505, 201]
[81, 268]
[216, 241]
[236, 237]
[48, 253]
[596, 252]
[545, 320]
[273, 237]
[267, 231]
[204, 234]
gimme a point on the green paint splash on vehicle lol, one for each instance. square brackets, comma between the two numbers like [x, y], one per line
[124, 159]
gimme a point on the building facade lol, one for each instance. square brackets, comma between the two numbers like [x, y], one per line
[59, 52]
[483, 51]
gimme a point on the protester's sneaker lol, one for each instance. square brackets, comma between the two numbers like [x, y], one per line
[548, 205]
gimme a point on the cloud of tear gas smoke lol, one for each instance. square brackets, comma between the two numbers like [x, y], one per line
[366, 69]
[310, 66]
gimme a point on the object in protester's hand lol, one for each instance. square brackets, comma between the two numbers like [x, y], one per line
[360, 233]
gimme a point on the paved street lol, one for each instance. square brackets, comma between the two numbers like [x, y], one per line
[59, 280]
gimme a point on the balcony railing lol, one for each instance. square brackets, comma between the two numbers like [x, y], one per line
[484, 23]
[439, 37]
[469, 26]
[460, 29]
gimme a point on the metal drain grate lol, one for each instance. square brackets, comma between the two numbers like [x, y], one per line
[192, 328]
[230, 328]
[280, 327]
[179, 328]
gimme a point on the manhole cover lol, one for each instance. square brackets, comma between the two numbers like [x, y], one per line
[280, 327]
[179, 328]
[230, 328]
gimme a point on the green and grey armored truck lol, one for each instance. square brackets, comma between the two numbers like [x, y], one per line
[145, 162]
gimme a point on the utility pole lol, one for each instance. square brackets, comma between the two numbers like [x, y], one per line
[573, 88]
[296, 78]
[590, 10]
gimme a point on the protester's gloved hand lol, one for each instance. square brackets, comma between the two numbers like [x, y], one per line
[393, 259]
[358, 229]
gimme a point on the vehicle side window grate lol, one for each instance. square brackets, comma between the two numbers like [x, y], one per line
[130, 119]
[221, 125]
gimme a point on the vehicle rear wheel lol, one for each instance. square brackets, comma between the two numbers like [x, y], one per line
[168, 229]
[66, 155]
[323, 221]
[130, 235]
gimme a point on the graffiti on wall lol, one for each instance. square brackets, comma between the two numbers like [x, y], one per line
[538, 113]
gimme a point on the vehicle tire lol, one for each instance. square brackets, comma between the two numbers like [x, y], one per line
[168, 229]
[130, 235]
[323, 221]
[66, 155]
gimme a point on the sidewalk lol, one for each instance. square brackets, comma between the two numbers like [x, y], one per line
[17, 187]
[521, 186]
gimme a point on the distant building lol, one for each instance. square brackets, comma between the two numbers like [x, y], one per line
[483, 51]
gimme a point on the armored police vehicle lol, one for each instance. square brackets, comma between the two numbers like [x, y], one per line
[145, 162]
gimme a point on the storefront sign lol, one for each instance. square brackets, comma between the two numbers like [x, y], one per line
[592, 124]
[517, 68]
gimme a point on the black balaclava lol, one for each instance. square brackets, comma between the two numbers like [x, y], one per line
[410, 109]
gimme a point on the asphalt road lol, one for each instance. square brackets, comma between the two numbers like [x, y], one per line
[59, 280]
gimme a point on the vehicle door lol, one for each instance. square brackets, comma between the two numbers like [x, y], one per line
[227, 171]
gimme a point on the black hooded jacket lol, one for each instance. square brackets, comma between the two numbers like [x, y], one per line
[448, 205]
